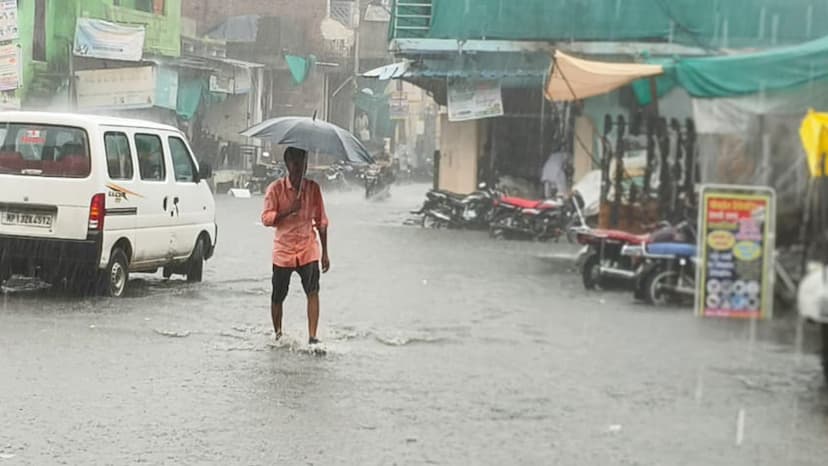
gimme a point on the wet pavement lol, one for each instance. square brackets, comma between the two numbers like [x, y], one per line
[443, 347]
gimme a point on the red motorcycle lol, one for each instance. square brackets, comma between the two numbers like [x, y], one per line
[540, 220]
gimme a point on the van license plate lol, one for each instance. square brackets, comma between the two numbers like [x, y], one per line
[26, 219]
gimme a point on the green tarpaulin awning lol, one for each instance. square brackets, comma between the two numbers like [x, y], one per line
[734, 75]
[774, 70]
[700, 23]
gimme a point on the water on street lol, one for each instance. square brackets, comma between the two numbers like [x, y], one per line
[443, 347]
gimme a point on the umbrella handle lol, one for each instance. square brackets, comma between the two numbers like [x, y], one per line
[302, 178]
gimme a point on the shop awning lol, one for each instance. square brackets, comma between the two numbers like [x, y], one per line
[575, 79]
[392, 71]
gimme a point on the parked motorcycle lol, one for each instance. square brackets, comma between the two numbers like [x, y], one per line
[443, 209]
[264, 175]
[667, 272]
[336, 176]
[378, 180]
[540, 220]
[601, 261]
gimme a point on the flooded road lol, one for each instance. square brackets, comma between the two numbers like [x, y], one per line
[443, 347]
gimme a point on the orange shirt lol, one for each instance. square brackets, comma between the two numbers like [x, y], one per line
[295, 243]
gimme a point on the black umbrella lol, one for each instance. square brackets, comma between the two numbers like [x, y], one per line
[312, 135]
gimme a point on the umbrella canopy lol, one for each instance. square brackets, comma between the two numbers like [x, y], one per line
[312, 135]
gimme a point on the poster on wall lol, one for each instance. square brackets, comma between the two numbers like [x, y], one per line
[736, 271]
[8, 20]
[9, 68]
[116, 88]
[472, 100]
[96, 38]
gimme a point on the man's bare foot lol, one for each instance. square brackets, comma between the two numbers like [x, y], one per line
[278, 335]
[313, 341]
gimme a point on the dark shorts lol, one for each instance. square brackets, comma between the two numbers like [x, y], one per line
[281, 280]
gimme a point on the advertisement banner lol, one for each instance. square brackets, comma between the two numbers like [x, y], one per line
[8, 20]
[9, 68]
[116, 88]
[472, 100]
[736, 244]
[96, 38]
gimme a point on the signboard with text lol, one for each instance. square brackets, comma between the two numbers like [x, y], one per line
[95, 38]
[8, 20]
[116, 88]
[736, 246]
[472, 100]
[9, 67]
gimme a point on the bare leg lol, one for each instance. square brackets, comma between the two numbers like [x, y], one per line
[313, 314]
[276, 314]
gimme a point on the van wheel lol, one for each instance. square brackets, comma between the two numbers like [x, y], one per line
[195, 268]
[112, 281]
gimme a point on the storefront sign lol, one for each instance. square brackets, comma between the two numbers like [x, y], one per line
[472, 100]
[9, 68]
[222, 84]
[95, 38]
[8, 20]
[736, 248]
[235, 80]
[117, 88]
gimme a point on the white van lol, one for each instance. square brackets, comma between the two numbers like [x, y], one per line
[85, 200]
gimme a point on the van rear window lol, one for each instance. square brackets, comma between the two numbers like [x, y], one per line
[44, 150]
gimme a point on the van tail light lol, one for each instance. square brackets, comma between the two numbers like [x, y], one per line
[97, 211]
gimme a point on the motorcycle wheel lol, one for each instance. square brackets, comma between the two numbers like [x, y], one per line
[434, 223]
[654, 287]
[591, 273]
[825, 351]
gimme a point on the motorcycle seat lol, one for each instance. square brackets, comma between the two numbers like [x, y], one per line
[622, 236]
[520, 202]
[446, 194]
[672, 249]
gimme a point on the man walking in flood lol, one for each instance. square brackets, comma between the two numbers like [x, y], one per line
[294, 206]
